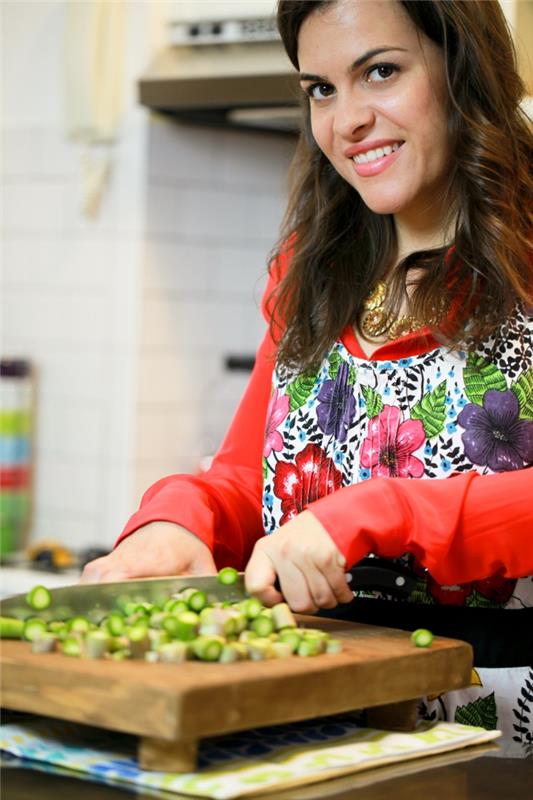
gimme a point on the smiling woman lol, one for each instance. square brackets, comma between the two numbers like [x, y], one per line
[437, 83]
[390, 410]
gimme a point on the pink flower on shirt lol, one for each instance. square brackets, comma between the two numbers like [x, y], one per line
[390, 444]
[278, 408]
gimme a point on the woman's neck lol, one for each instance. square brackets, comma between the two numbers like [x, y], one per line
[423, 231]
[412, 239]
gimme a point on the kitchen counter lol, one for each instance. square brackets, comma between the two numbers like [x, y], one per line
[17, 580]
[448, 778]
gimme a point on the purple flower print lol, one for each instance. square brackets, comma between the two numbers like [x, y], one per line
[494, 435]
[336, 405]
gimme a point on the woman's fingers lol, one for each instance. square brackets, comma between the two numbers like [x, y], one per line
[308, 565]
[159, 548]
[103, 570]
[260, 577]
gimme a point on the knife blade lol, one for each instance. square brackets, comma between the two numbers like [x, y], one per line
[95, 600]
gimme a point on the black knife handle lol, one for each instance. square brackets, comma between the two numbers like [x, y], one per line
[377, 574]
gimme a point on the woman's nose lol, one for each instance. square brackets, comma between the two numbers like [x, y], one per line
[352, 115]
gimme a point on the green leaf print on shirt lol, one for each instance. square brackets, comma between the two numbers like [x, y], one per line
[431, 410]
[335, 361]
[523, 389]
[481, 713]
[480, 375]
[299, 390]
[374, 402]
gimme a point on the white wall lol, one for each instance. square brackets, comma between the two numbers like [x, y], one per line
[214, 203]
[126, 317]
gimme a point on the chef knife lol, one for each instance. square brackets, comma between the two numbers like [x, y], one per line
[95, 600]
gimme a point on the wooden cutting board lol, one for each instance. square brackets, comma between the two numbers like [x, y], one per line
[170, 707]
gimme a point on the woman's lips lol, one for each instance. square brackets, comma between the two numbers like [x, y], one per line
[377, 165]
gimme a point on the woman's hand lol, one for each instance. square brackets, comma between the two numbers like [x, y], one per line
[160, 548]
[309, 566]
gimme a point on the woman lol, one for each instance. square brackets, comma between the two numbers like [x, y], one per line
[400, 349]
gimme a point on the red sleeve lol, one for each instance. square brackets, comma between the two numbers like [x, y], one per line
[223, 507]
[463, 528]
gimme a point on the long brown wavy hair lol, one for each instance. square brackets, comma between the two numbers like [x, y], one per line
[340, 248]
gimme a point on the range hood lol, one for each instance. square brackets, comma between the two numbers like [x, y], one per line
[224, 72]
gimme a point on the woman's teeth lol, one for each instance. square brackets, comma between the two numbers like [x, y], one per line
[379, 152]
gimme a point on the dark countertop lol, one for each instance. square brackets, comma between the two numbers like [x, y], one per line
[465, 775]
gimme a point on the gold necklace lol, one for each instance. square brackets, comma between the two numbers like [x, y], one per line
[377, 320]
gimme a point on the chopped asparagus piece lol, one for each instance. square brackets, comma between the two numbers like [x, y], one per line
[196, 599]
[96, 644]
[157, 637]
[282, 617]
[139, 640]
[251, 607]
[259, 649]
[79, 624]
[233, 651]
[247, 636]
[114, 623]
[183, 627]
[34, 628]
[11, 628]
[422, 638]
[309, 647]
[71, 645]
[120, 655]
[173, 652]
[227, 576]
[207, 648]
[39, 598]
[174, 606]
[292, 637]
[281, 650]
[151, 656]
[45, 643]
[262, 625]
[57, 627]
[333, 646]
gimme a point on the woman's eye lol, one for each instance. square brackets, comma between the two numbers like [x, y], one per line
[380, 72]
[320, 91]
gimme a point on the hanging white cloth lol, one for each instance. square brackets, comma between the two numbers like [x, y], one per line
[95, 76]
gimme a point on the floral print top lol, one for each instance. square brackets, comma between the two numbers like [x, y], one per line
[425, 416]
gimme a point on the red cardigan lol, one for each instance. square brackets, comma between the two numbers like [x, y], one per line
[463, 528]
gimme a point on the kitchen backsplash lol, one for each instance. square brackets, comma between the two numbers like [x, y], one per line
[214, 204]
[127, 317]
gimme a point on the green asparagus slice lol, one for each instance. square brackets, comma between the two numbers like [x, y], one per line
[227, 576]
[11, 628]
[185, 626]
[39, 598]
[34, 628]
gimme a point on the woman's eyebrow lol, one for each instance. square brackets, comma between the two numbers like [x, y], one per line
[376, 51]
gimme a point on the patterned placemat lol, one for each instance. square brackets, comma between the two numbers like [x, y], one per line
[238, 765]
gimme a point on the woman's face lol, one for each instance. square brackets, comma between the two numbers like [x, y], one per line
[378, 104]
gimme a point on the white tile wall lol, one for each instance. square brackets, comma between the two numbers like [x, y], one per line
[127, 317]
[214, 204]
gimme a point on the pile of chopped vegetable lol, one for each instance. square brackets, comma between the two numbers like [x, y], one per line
[186, 627]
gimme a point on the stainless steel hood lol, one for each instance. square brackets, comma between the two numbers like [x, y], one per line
[224, 72]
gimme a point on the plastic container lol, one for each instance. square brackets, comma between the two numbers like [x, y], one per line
[16, 426]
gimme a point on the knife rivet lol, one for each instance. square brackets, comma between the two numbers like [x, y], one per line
[400, 580]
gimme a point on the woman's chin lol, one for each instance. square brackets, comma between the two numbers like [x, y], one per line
[384, 207]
